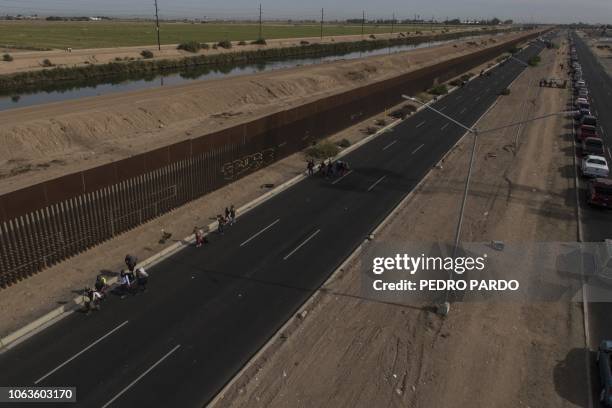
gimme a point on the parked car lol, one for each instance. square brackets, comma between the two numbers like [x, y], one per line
[581, 113]
[583, 93]
[604, 362]
[589, 120]
[580, 83]
[599, 192]
[592, 146]
[580, 100]
[586, 131]
[594, 166]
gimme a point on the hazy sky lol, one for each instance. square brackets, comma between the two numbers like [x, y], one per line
[596, 11]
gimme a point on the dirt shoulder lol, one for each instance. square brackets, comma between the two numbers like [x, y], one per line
[43, 142]
[24, 61]
[353, 351]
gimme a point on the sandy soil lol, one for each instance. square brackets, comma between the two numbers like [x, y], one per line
[43, 142]
[350, 351]
[32, 60]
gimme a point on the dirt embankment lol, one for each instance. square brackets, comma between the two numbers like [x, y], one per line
[358, 352]
[46, 141]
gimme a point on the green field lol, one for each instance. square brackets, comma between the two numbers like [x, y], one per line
[97, 34]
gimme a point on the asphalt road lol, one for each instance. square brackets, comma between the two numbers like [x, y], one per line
[208, 310]
[596, 223]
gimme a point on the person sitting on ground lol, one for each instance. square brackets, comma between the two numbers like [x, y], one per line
[101, 284]
[142, 278]
[125, 284]
[92, 301]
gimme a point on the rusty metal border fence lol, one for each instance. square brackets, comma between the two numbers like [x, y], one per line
[48, 222]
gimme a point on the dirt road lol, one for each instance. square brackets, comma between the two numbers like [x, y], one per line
[352, 351]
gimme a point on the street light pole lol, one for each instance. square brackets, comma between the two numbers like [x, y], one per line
[445, 307]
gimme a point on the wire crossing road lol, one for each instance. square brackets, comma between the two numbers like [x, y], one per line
[208, 310]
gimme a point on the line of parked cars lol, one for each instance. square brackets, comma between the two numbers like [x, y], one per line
[594, 164]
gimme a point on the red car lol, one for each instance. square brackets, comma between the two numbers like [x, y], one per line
[585, 131]
[599, 192]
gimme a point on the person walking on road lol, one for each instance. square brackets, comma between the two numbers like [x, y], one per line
[131, 261]
[142, 277]
[199, 236]
[310, 167]
[221, 222]
[232, 215]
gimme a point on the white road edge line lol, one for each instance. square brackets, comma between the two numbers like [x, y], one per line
[442, 108]
[302, 244]
[389, 145]
[80, 352]
[338, 180]
[609, 153]
[445, 126]
[419, 148]
[420, 124]
[140, 376]
[377, 181]
[259, 233]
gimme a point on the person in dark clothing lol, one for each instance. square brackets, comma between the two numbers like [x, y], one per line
[232, 215]
[221, 222]
[131, 261]
[310, 167]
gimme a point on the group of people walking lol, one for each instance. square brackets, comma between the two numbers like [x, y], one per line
[225, 219]
[131, 281]
[328, 168]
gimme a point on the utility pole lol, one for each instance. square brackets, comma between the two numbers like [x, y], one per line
[157, 26]
[392, 23]
[321, 23]
[260, 31]
[362, 24]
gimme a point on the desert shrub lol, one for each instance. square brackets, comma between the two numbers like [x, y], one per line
[381, 122]
[259, 41]
[146, 54]
[322, 150]
[191, 46]
[438, 90]
[513, 50]
[47, 63]
[372, 36]
[7, 57]
[505, 91]
[204, 46]
[455, 82]
[534, 61]
[225, 44]
[304, 42]
[242, 43]
[344, 143]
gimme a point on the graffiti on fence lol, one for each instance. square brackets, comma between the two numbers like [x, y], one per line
[233, 169]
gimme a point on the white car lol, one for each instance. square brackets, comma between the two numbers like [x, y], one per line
[594, 166]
